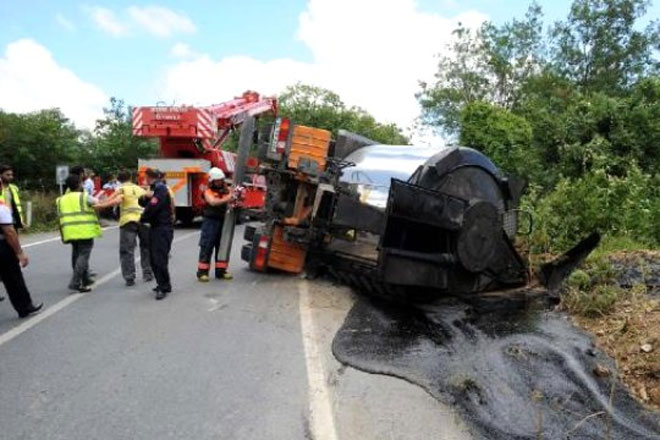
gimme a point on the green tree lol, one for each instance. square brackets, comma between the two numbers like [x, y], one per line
[501, 135]
[322, 108]
[600, 47]
[112, 146]
[34, 143]
[575, 110]
[490, 64]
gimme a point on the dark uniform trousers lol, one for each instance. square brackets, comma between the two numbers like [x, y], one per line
[160, 243]
[81, 251]
[12, 277]
[209, 241]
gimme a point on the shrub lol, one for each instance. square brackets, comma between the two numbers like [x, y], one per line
[598, 301]
[627, 207]
[44, 214]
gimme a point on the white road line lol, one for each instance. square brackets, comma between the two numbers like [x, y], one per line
[31, 322]
[48, 240]
[322, 421]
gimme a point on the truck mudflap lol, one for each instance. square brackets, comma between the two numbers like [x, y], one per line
[552, 274]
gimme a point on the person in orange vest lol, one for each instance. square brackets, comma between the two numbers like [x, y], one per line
[217, 196]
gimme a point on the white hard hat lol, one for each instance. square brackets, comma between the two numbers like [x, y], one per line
[216, 174]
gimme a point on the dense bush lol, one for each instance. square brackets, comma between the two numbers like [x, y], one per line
[575, 110]
[622, 206]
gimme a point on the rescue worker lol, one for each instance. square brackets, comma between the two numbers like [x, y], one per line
[79, 171]
[79, 226]
[127, 196]
[9, 194]
[12, 259]
[158, 212]
[216, 196]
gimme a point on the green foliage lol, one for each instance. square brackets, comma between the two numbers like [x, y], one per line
[501, 135]
[598, 301]
[44, 214]
[579, 279]
[576, 111]
[599, 46]
[34, 143]
[322, 108]
[624, 206]
[112, 146]
[491, 64]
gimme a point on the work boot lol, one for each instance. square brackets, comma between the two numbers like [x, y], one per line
[82, 288]
[89, 281]
[130, 283]
[33, 309]
[203, 276]
[223, 275]
[161, 294]
[147, 278]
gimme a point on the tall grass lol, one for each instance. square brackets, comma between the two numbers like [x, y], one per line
[44, 213]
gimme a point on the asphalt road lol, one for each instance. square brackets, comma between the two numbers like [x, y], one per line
[242, 359]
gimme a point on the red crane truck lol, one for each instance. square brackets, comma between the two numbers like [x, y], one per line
[191, 140]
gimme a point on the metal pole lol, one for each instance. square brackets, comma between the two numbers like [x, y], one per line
[244, 144]
[28, 217]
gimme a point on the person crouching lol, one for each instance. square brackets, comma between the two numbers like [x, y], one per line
[216, 198]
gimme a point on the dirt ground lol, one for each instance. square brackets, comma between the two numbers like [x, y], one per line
[630, 331]
[631, 335]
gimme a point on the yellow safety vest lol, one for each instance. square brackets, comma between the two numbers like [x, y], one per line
[130, 210]
[78, 221]
[16, 200]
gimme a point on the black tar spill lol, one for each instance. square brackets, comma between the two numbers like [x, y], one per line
[512, 370]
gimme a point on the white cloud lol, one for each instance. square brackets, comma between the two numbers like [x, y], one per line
[107, 21]
[154, 20]
[374, 63]
[64, 22]
[160, 21]
[182, 50]
[30, 80]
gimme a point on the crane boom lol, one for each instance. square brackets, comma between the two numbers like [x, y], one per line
[191, 140]
[211, 124]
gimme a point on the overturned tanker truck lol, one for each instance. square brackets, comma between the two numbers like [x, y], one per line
[448, 227]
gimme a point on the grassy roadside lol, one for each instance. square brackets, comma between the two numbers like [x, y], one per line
[616, 297]
[44, 214]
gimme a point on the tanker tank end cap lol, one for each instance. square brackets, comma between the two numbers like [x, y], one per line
[216, 174]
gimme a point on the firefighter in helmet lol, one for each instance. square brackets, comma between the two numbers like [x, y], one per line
[216, 197]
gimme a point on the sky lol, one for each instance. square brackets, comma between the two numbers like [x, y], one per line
[76, 54]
